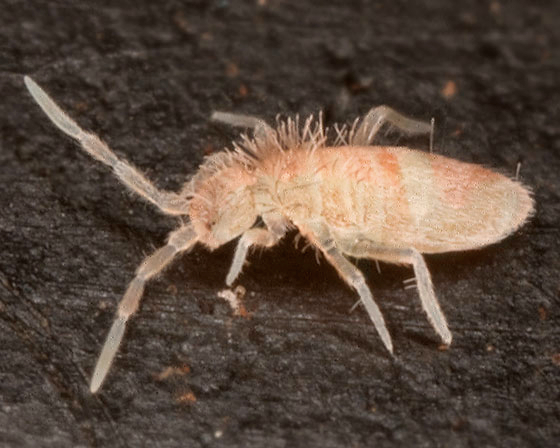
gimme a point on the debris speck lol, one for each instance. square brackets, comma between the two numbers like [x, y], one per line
[188, 397]
[449, 90]
[170, 371]
[232, 70]
[234, 299]
[243, 90]
[495, 8]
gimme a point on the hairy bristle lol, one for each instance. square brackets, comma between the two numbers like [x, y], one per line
[249, 151]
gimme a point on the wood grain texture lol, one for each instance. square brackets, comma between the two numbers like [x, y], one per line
[301, 370]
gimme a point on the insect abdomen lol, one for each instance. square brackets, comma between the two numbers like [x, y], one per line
[405, 198]
[460, 206]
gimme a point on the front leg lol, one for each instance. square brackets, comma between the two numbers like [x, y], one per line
[259, 126]
[319, 234]
[276, 229]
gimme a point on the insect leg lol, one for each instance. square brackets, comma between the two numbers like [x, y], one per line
[430, 304]
[255, 237]
[378, 116]
[179, 241]
[322, 238]
[168, 202]
[427, 295]
[259, 126]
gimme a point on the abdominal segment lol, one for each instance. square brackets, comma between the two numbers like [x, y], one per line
[404, 198]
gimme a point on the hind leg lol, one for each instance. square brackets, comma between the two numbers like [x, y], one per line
[378, 116]
[430, 304]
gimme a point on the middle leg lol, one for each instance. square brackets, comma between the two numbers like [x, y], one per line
[320, 236]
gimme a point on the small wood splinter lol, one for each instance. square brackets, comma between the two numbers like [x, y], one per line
[346, 197]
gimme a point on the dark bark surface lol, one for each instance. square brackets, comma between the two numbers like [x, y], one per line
[301, 370]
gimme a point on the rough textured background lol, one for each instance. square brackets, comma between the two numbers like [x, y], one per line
[301, 371]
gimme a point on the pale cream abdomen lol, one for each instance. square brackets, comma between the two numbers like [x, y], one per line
[405, 198]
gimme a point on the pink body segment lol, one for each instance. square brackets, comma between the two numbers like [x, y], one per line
[347, 198]
[400, 197]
